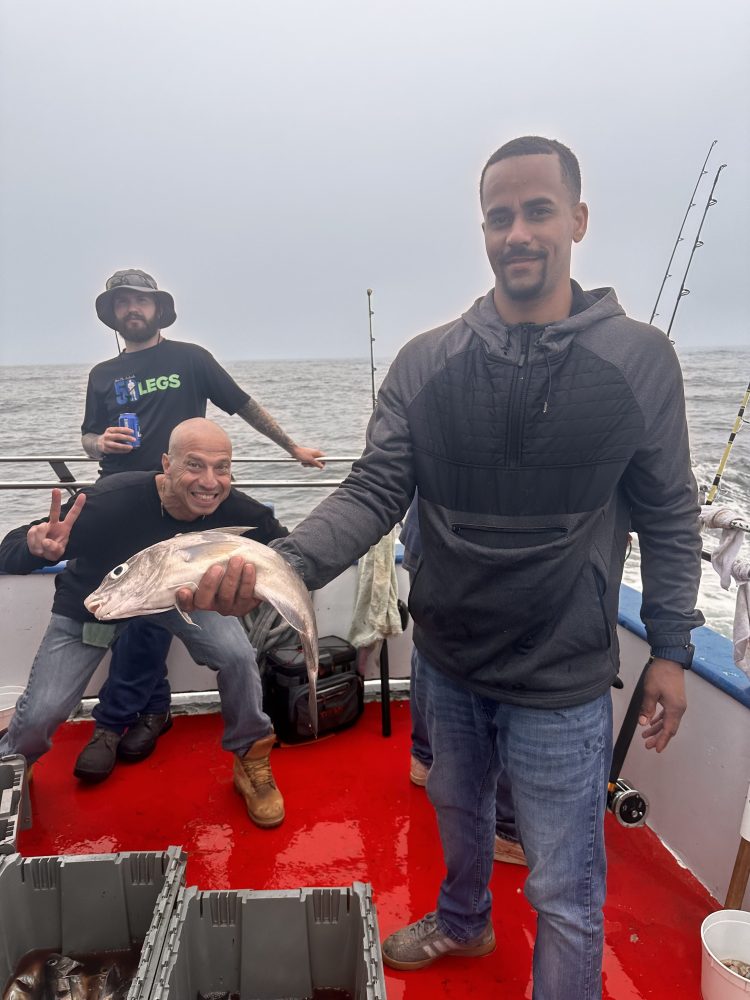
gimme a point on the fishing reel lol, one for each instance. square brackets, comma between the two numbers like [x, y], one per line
[629, 806]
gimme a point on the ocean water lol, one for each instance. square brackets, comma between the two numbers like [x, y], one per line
[327, 404]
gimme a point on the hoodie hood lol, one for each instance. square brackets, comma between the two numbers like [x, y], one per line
[590, 307]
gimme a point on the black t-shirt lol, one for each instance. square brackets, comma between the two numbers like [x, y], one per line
[163, 385]
[123, 515]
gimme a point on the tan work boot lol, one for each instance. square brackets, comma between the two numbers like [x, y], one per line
[253, 779]
[418, 772]
[509, 852]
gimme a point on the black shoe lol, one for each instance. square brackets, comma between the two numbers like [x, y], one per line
[140, 740]
[99, 756]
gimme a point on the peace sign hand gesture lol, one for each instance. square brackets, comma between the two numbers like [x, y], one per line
[49, 539]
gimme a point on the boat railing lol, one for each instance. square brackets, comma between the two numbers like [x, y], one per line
[59, 465]
[66, 479]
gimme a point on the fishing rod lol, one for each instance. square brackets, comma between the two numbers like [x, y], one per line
[711, 201]
[691, 204]
[373, 369]
[736, 428]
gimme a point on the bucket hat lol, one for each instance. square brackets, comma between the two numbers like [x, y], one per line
[134, 280]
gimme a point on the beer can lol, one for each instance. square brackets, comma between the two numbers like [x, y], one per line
[131, 420]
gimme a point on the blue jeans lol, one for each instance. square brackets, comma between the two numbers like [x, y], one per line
[63, 667]
[137, 683]
[558, 763]
[505, 820]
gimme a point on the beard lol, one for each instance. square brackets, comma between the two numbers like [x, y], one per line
[140, 334]
[523, 289]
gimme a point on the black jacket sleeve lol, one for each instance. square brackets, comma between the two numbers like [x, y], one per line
[661, 490]
[14, 553]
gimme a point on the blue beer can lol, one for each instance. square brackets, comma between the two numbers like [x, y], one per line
[131, 420]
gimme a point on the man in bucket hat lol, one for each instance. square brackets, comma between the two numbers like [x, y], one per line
[162, 382]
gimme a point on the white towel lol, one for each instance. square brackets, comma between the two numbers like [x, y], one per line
[376, 614]
[741, 634]
[730, 542]
[724, 560]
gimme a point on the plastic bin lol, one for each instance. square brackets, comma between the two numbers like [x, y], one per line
[268, 945]
[725, 934]
[88, 904]
[15, 809]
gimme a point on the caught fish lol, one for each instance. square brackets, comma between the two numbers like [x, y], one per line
[21, 988]
[64, 979]
[107, 984]
[147, 583]
[29, 978]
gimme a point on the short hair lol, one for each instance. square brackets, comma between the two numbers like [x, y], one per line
[530, 145]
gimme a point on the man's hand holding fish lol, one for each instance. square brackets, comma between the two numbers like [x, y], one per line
[135, 540]
[228, 591]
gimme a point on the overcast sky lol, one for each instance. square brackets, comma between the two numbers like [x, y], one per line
[268, 162]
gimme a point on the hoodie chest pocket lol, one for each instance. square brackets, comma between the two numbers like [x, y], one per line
[492, 537]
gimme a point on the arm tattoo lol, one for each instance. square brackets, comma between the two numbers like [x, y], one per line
[89, 442]
[254, 414]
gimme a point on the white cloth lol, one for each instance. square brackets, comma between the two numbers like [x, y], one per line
[741, 633]
[376, 613]
[725, 561]
[730, 542]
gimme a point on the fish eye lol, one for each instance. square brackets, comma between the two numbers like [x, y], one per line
[119, 571]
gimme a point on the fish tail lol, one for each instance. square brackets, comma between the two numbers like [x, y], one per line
[311, 659]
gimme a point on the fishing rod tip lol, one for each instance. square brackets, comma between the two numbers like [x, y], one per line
[369, 291]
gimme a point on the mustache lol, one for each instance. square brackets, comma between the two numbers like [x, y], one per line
[514, 255]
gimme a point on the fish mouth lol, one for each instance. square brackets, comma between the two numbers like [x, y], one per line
[98, 606]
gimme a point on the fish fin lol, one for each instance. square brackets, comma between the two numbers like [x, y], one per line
[232, 531]
[214, 549]
[184, 615]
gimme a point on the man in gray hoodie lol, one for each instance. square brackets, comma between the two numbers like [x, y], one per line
[538, 427]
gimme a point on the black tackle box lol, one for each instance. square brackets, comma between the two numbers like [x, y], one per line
[334, 656]
[340, 689]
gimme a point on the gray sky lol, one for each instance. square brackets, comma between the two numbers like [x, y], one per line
[269, 162]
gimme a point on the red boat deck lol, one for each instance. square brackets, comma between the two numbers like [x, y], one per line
[352, 814]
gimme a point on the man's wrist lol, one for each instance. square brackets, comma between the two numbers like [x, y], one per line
[678, 654]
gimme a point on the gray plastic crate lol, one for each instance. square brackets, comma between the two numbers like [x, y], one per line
[15, 808]
[272, 945]
[83, 904]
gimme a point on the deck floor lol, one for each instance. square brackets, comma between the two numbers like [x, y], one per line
[353, 815]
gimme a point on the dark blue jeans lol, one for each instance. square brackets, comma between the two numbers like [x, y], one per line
[137, 682]
[558, 762]
[505, 820]
[64, 665]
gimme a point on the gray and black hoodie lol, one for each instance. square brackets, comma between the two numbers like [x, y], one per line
[535, 451]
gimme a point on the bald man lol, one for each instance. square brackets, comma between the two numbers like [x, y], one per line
[104, 526]
[162, 382]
